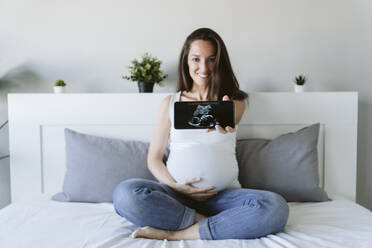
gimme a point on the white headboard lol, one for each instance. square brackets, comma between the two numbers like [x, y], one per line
[37, 121]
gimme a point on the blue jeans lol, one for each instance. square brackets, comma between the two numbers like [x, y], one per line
[231, 214]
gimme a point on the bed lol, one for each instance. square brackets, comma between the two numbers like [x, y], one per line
[37, 122]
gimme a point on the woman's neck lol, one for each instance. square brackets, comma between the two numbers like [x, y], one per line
[199, 93]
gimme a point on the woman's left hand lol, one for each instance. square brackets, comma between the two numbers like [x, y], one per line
[219, 128]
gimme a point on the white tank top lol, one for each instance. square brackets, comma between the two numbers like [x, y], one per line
[196, 153]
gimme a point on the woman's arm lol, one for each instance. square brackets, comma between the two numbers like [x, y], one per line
[239, 110]
[158, 144]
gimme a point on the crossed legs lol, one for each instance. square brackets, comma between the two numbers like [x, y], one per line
[235, 213]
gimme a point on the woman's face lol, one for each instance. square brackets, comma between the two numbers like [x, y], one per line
[201, 61]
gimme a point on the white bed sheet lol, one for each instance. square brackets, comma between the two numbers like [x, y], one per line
[45, 223]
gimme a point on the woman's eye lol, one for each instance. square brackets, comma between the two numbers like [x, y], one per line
[195, 59]
[212, 59]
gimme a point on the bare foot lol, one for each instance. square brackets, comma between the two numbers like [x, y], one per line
[148, 232]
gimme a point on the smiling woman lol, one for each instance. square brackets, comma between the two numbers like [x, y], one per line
[204, 59]
[198, 195]
[201, 62]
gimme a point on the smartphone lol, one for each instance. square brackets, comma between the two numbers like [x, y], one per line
[205, 114]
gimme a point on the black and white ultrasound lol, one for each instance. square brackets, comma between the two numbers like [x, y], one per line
[203, 117]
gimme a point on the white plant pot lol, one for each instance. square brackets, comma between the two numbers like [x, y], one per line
[299, 88]
[59, 89]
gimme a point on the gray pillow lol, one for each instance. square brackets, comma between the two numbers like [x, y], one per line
[287, 165]
[95, 165]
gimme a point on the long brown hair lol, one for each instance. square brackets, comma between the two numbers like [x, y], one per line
[223, 81]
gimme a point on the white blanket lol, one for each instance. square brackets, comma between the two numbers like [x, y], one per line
[45, 223]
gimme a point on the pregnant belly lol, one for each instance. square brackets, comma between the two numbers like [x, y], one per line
[215, 167]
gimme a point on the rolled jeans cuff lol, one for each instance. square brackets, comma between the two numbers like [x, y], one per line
[188, 218]
[204, 230]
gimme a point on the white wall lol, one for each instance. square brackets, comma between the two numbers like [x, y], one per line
[89, 44]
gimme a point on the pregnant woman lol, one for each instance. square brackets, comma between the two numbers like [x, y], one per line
[198, 195]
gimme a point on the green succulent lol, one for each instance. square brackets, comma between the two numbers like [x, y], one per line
[60, 83]
[300, 80]
[147, 70]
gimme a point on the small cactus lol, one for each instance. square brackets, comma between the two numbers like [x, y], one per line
[60, 83]
[300, 80]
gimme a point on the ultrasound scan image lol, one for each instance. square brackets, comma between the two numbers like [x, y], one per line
[203, 117]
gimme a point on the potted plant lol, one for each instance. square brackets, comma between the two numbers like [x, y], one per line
[59, 86]
[146, 73]
[300, 83]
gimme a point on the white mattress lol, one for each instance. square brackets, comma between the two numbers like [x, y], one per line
[45, 223]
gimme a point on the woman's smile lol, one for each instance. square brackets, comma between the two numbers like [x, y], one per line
[203, 76]
[201, 62]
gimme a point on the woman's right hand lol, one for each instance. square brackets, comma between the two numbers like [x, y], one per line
[199, 194]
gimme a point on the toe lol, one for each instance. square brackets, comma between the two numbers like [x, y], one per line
[137, 233]
[134, 234]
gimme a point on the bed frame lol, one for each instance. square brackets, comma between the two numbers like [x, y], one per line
[37, 121]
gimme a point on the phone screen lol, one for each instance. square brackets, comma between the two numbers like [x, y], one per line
[201, 115]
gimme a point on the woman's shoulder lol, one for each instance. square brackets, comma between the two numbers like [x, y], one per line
[165, 102]
[167, 99]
